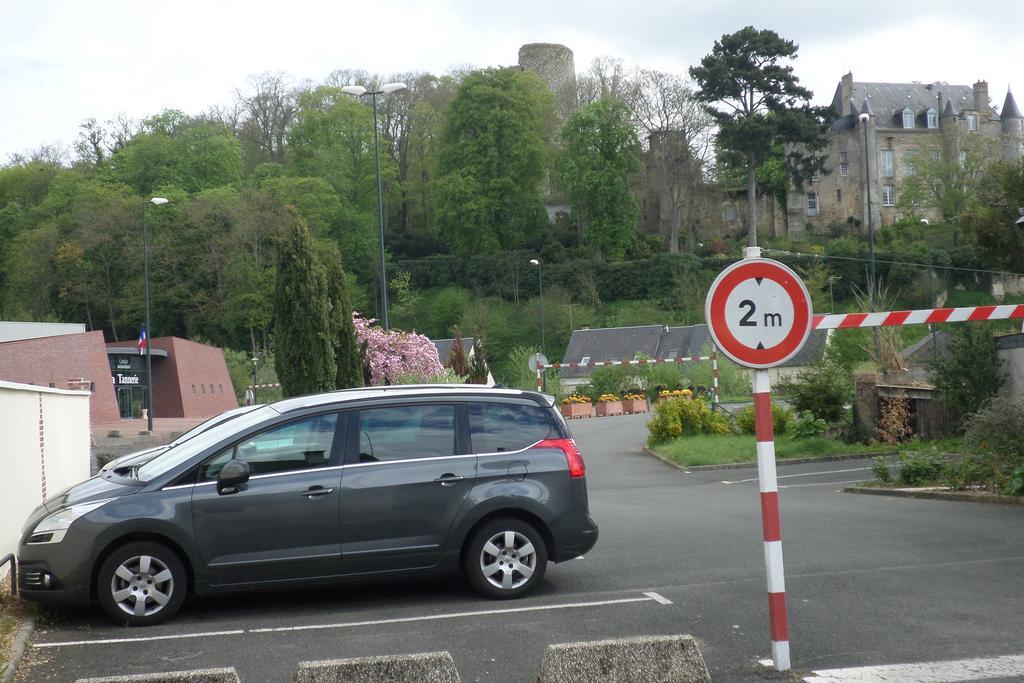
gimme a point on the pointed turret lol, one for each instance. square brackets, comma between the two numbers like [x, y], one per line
[949, 111]
[866, 108]
[1010, 109]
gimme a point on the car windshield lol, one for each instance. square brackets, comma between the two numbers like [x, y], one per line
[170, 459]
[212, 422]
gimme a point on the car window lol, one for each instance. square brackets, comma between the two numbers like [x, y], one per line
[301, 445]
[498, 427]
[406, 432]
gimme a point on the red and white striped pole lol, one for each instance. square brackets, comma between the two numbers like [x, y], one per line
[770, 520]
[714, 372]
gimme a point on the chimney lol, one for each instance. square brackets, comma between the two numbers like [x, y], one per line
[846, 92]
[938, 98]
[981, 99]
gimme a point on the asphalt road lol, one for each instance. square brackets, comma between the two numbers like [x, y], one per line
[870, 581]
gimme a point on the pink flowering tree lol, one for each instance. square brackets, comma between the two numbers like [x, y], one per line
[397, 357]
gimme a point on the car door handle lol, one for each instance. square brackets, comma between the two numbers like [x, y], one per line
[448, 479]
[316, 492]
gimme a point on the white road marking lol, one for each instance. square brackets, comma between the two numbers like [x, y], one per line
[804, 474]
[927, 672]
[659, 598]
[821, 483]
[648, 597]
[141, 639]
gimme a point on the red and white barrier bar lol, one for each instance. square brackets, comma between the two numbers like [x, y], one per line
[770, 521]
[641, 361]
[262, 386]
[926, 316]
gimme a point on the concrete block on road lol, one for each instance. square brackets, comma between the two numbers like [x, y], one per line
[436, 667]
[228, 675]
[647, 659]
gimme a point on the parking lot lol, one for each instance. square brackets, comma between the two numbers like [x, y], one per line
[870, 581]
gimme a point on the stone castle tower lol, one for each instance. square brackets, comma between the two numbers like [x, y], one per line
[554, 64]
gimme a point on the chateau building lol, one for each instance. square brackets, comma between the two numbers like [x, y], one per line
[903, 122]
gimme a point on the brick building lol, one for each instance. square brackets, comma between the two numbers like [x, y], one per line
[189, 379]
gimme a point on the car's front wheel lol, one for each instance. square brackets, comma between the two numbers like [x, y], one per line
[141, 584]
[505, 558]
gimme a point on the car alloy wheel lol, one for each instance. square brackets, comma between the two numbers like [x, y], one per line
[506, 559]
[141, 584]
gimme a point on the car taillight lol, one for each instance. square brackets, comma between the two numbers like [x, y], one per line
[573, 456]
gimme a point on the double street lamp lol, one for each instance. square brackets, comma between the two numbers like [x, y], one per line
[156, 201]
[360, 91]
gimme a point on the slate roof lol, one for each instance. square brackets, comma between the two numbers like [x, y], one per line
[922, 352]
[658, 341]
[1010, 108]
[888, 100]
[444, 347]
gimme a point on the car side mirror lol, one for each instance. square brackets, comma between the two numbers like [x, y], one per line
[233, 474]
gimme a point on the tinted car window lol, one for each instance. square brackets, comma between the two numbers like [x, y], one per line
[405, 432]
[497, 427]
[301, 445]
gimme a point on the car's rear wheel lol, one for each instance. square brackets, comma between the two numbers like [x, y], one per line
[505, 558]
[141, 584]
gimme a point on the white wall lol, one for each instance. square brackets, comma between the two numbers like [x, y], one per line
[28, 463]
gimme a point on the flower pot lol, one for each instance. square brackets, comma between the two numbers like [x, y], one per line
[572, 411]
[606, 408]
[634, 405]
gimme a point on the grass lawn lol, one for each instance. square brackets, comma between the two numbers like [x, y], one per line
[731, 448]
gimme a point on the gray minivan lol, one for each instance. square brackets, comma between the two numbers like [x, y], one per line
[383, 482]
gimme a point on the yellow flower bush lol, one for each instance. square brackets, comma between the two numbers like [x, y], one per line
[606, 398]
[575, 398]
[634, 397]
[675, 393]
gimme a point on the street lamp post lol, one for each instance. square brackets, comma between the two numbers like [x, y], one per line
[540, 284]
[864, 118]
[156, 201]
[360, 91]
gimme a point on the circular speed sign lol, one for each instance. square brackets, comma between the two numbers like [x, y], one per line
[759, 313]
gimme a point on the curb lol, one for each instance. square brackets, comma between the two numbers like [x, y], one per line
[18, 649]
[959, 496]
[753, 463]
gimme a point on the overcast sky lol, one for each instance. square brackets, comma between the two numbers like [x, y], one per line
[63, 61]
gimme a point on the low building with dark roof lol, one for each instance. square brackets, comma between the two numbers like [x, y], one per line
[661, 341]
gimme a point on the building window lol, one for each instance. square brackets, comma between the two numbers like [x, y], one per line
[844, 164]
[211, 389]
[730, 212]
[908, 162]
[888, 196]
[221, 388]
[839, 195]
[888, 164]
[584, 360]
[933, 118]
[972, 121]
[815, 166]
[812, 203]
[203, 387]
[935, 155]
[193, 388]
[908, 118]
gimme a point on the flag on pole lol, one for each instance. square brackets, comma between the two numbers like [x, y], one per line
[143, 341]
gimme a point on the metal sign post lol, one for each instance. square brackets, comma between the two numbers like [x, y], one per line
[759, 313]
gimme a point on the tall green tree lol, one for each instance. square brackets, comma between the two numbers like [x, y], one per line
[992, 220]
[760, 104]
[347, 357]
[493, 158]
[971, 374]
[594, 170]
[303, 348]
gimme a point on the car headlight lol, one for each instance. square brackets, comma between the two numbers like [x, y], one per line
[53, 527]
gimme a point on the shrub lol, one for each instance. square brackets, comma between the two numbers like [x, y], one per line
[781, 418]
[806, 426]
[823, 389]
[971, 374]
[1015, 487]
[998, 430]
[880, 468]
[968, 473]
[921, 468]
[681, 416]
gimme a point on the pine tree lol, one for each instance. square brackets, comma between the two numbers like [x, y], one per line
[478, 366]
[347, 358]
[303, 353]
